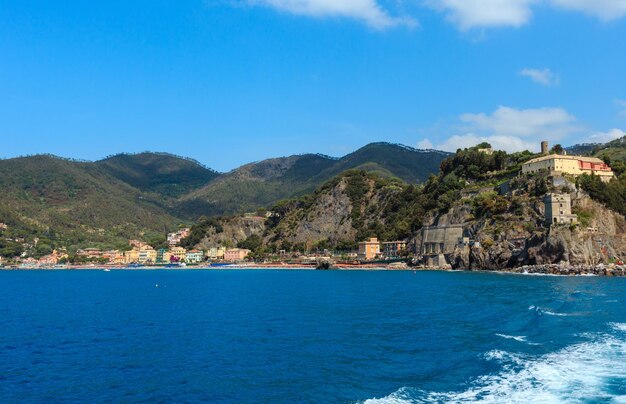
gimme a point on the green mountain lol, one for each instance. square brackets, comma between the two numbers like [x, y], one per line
[162, 173]
[67, 203]
[262, 184]
[62, 202]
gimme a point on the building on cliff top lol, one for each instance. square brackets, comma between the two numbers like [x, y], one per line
[572, 165]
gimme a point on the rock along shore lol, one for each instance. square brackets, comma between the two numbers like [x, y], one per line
[569, 270]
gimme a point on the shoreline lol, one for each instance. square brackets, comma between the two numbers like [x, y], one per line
[531, 270]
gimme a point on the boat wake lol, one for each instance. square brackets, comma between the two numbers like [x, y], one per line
[591, 371]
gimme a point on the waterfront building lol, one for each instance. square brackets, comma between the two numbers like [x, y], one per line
[369, 250]
[131, 256]
[194, 257]
[571, 165]
[216, 253]
[393, 249]
[163, 256]
[558, 209]
[146, 255]
[236, 254]
[89, 253]
[112, 256]
[178, 254]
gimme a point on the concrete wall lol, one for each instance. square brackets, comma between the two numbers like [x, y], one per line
[441, 239]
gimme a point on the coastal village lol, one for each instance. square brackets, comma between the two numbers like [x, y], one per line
[438, 245]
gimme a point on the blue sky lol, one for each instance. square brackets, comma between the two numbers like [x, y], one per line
[232, 81]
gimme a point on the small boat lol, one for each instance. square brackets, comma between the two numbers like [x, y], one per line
[106, 270]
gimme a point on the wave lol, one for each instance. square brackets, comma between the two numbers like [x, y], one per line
[618, 326]
[518, 338]
[590, 371]
[541, 312]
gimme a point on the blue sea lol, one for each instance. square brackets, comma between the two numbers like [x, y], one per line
[247, 336]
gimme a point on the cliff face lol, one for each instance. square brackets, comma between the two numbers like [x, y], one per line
[336, 213]
[233, 231]
[508, 241]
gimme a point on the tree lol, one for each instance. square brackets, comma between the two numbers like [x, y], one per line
[557, 149]
[252, 243]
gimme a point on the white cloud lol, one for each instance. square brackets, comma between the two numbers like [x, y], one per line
[541, 76]
[511, 129]
[468, 14]
[604, 137]
[551, 123]
[603, 9]
[368, 11]
[425, 144]
[498, 142]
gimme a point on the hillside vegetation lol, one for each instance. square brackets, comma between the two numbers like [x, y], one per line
[264, 183]
[54, 202]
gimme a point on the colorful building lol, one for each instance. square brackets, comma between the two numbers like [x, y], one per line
[178, 254]
[236, 254]
[571, 165]
[393, 249]
[216, 253]
[89, 253]
[175, 238]
[369, 250]
[131, 256]
[146, 255]
[194, 257]
[163, 256]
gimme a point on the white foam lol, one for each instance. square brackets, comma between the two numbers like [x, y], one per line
[539, 310]
[519, 338]
[619, 326]
[579, 373]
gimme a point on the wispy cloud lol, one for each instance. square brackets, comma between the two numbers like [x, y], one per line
[542, 76]
[622, 106]
[469, 14]
[603, 9]
[367, 11]
[603, 137]
[511, 129]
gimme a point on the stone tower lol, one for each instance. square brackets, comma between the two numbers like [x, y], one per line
[559, 209]
[544, 147]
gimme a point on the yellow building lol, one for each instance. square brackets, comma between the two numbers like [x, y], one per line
[216, 253]
[132, 256]
[572, 165]
[147, 254]
[368, 250]
[179, 253]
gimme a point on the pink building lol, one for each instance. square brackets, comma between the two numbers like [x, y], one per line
[236, 254]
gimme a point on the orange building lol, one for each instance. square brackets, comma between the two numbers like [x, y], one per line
[368, 250]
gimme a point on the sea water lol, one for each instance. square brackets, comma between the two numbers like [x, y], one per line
[310, 336]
